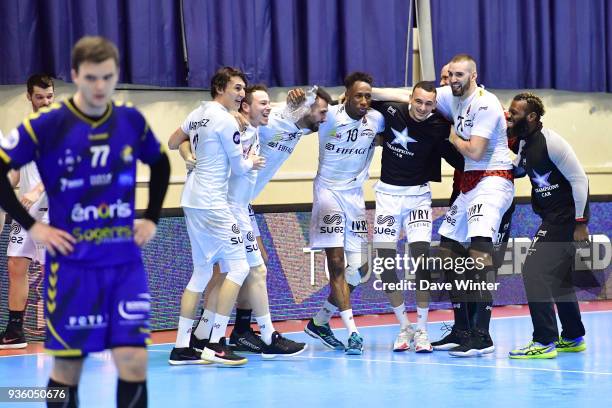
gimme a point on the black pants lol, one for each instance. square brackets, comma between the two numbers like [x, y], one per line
[547, 277]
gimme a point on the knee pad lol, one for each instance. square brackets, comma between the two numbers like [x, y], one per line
[238, 270]
[200, 277]
[355, 271]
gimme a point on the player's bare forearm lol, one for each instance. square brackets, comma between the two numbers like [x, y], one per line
[177, 138]
[474, 148]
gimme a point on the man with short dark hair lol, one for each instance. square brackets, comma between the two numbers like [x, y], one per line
[22, 249]
[96, 294]
[414, 140]
[213, 230]
[338, 223]
[559, 195]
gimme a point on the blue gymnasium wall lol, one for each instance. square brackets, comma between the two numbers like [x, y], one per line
[290, 281]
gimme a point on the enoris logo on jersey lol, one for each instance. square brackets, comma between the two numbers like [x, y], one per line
[103, 211]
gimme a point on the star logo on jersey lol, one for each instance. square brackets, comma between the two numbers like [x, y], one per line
[541, 180]
[402, 138]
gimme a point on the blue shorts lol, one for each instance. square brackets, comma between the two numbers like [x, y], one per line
[90, 309]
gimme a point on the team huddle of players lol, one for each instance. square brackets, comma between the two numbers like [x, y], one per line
[96, 295]
[234, 145]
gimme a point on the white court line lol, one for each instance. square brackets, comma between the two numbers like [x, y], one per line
[301, 331]
[454, 365]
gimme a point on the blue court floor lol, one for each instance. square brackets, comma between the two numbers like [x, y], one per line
[322, 377]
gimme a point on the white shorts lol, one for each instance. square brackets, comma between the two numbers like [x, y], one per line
[478, 212]
[214, 235]
[409, 213]
[338, 219]
[21, 243]
[253, 254]
[254, 225]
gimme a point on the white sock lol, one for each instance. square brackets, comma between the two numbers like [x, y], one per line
[402, 317]
[184, 332]
[219, 328]
[265, 327]
[349, 322]
[422, 313]
[205, 325]
[325, 313]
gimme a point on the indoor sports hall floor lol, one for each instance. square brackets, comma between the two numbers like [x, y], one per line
[322, 377]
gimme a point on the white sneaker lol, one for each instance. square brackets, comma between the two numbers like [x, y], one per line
[402, 342]
[421, 342]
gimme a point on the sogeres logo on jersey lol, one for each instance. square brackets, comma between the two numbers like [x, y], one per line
[118, 209]
[333, 224]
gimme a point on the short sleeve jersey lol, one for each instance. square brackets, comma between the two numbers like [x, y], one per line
[215, 138]
[480, 114]
[346, 147]
[88, 168]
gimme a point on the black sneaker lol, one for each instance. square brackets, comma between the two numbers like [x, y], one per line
[197, 344]
[282, 346]
[186, 356]
[247, 342]
[455, 338]
[325, 334]
[220, 353]
[9, 340]
[479, 343]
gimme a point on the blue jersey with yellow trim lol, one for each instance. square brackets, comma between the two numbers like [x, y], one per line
[88, 169]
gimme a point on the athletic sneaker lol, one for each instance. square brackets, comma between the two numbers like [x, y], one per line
[325, 334]
[12, 340]
[421, 342]
[247, 342]
[197, 344]
[570, 345]
[535, 350]
[478, 343]
[282, 346]
[185, 356]
[452, 339]
[221, 353]
[354, 345]
[403, 339]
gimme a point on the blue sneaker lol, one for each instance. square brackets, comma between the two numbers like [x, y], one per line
[570, 345]
[355, 345]
[325, 334]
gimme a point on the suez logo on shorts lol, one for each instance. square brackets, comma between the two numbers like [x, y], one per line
[251, 245]
[333, 224]
[450, 215]
[118, 209]
[384, 224]
[238, 238]
[14, 237]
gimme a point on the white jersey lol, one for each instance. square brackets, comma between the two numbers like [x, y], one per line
[346, 147]
[240, 189]
[480, 114]
[278, 139]
[214, 136]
